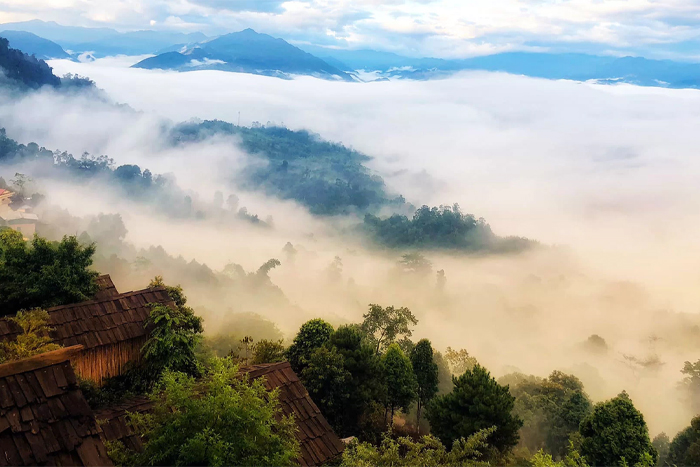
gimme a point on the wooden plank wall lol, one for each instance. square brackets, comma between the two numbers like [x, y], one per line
[106, 361]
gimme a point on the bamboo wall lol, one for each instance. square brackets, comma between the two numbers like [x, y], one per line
[106, 361]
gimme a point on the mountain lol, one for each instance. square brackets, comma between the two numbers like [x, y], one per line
[20, 69]
[580, 67]
[32, 44]
[102, 42]
[246, 52]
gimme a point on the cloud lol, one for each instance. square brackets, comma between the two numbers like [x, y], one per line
[608, 172]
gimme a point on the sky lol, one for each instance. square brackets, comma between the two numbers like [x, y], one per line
[441, 28]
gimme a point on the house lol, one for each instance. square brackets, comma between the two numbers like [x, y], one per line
[23, 222]
[111, 329]
[318, 442]
[44, 418]
[5, 199]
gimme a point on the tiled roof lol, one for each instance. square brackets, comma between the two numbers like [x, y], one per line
[319, 443]
[98, 322]
[107, 287]
[44, 418]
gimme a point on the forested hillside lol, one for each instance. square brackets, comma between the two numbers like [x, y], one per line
[22, 69]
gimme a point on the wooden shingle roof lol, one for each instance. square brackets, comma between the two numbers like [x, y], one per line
[44, 418]
[107, 287]
[98, 322]
[318, 442]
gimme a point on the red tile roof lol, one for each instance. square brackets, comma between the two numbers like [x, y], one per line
[44, 418]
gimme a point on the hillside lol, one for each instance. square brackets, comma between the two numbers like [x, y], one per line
[32, 44]
[246, 52]
[24, 70]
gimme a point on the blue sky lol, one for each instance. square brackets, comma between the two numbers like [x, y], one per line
[444, 28]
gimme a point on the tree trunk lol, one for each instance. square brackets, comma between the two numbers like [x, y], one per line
[419, 409]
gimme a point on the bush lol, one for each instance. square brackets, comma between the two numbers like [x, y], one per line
[34, 338]
[224, 420]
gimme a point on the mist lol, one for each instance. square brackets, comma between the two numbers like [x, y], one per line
[604, 176]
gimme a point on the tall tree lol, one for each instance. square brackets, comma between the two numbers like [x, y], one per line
[400, 380]
[312, 335]
[615, 433]
[684, 450]
[477, 402]
[384, 326]
[426, 371]
[42, 274]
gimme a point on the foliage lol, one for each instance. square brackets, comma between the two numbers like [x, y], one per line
[25, 69]
[401, 382]
[34, 338]
[224, 420]
[691, 384]
[444, 373]
[426, 371]
[173, 340]
[476, 402]
[383, 326]
[459, 361]
[572, 459]
[616, 433]
[426, 452]
[551, 409]
[684, 450]
[662, 444]
[267, 351]
[312, 335]
[327, 178]
[43, 274]
[441, 227]
[326, 379]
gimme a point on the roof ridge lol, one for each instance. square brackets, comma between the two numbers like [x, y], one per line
[107, 299]
[39, 361]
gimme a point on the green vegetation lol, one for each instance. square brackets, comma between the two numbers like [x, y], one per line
[384, 326]
[42, 274]
[552, 409]
[426, 370]
[34, 338]
[24, 70]
[401, 382]
[615, 433]
[427, 452]
[222, 420]
[325, 177]
[477, 402]
[684, 450]
[440, 228]
[312, 335]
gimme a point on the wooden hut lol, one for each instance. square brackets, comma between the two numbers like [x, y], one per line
[319, 443]
[44, 418]
[110, 328]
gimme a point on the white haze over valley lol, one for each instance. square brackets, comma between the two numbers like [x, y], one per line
[608, 174]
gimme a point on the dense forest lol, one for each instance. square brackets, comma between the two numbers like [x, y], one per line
[327, 178]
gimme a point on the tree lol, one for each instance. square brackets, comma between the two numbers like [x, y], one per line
[44, 274]
[400, 380]
[426, 371]
[326, 379]
[615, 433]
[384, 325]
[19, 183]
[444, 374]
[459, 360]
[551, 409]
[222, 420]
[34, 338]
[428, 451]
[477, 402]
[662, 444]
[312, 335]
[691, 384]
[684, 450]
[366, 384]
[268, 351]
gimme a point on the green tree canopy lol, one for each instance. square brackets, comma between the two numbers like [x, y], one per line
[615, 433]
[401, 383]
[384, 326]
[684, 450]
[551, 408]
[477, 402]
[426, 371]
[222, 420]
[42, 274]
[312, 335]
